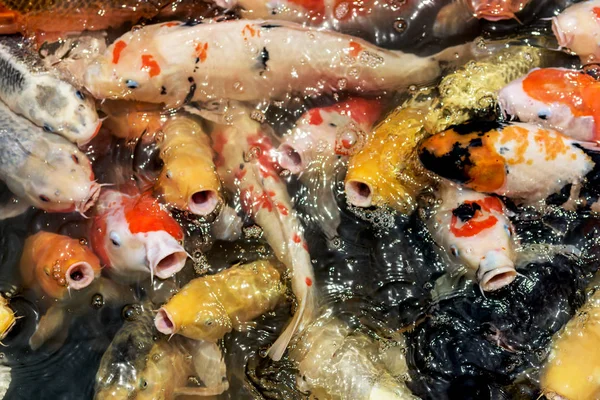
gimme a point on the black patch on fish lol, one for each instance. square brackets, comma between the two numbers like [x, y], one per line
[542, 115]
[190, 94]
[11, 78]
[466, 211]
[163, 90]
[476, 142]
[270, 26]
[503, 150]
[477, 126]
[451, 165]
[263, 58]
[192, 22]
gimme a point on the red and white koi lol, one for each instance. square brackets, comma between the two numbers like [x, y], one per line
[135, 237]
[475, 230]
[577, 28]
[522, 161]
[246, 163]
[173, 63]
[563, 99]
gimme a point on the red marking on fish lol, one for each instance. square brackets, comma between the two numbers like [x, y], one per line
[249, 30]
[317, 6]
[119, 47]
[171, 24]
[149, 64]
[144, 214]
[480, 221]
[355, 48]
[202, 51]
[308, 281]
[267, 160]
[296, 238]
[596, 11]
[219, 142]
[282, 209]
[314, 117]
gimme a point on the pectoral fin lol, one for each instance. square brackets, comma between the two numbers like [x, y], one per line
[50, 324]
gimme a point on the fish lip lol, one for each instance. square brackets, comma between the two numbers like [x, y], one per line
[554, 396]
[83, 142]
[165, 255]
[559, 33]
[291, 159]
[86, 204]
[497, 278]
[85, 269]
[164, 322]
[204, 202]
[359, 193]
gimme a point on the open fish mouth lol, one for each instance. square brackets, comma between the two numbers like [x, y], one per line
[291, 159]
[204, 202]
[79, 275]
[359, 193]
[164, 322]
[165, 255]
[86, 204]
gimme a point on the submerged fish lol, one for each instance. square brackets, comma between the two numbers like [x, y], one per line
[44, 170]
[131, 120]
[188, 180]
[135, 238]
[563, 99]
[471, 91]
[521, 161]
[386, 171]
[31, 90]
[173, 63]
[572, 371]
[577, 29]
[246, 164]
[336, 362]
[475, 230]
[210, 306]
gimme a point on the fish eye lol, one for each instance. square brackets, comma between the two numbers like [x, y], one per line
[75, 158]
[144, 384]
[131, 84]
[44, 198]
[48, 128]
[209, 322]
[115, 239]
[79, 95]
[454, 250]
[509, 230]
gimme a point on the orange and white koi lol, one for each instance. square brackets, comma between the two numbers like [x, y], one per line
[475, 230]
[135, 238]
[577, 28]
[188, 180]
[246, 163]
[173, 63]
[325, 133]
[521, 161]
[563, 99]
[129, 120]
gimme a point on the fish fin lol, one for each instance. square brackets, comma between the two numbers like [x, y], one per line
[452, 19]
[594, 147]
[50, 324]
[8, 23]
[13, 208]
[209, 364]
[115, 294]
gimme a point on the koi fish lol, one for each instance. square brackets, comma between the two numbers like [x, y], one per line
[129, 120]
[7, 318]
[557, 98]
[137, 366]
[571, 371]
[151, 64]
[134, 237]
[491, 10]
[44, 170]
[577, 29]
[29, 89]
[336, 362]
[471, 91]
[188, 180]
[246, 163]
[57, 264]
[474, 229]
[386, 170]
[210, 306]
[520, 161]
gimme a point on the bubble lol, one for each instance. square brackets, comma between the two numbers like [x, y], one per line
[258, 116]
[131, 312]
[97, 301]
[83, 241]
[253, 232]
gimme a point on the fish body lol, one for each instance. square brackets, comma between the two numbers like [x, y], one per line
[210, 306]
[386, 170]
[7, 318]
[173, 63]
[31, 90]
[472, 90]
[42, 169]
[558, 98]
[336, 362]
[131, 120]
[188, 180]
[474, 229]
[577, 29]
[521, 161]
[57, 264]
[572, 371]
[321, 134]
[136, 238]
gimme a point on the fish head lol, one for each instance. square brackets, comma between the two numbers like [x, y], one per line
[64, 263]
[481, 238]
[137, 238]
[207, 321]
[465, 154]
[57, 177]
[497, 10]
[60, 108]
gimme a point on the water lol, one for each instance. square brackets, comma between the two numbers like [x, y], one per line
[379, 272]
